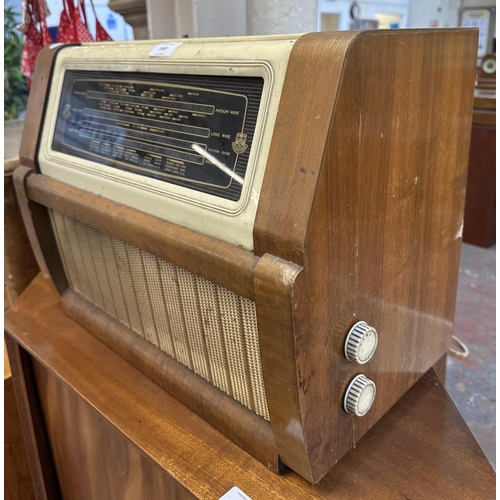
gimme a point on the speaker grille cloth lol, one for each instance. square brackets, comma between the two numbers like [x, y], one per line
[207, 328]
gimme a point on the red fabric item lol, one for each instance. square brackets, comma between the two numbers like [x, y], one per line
[82, 32]
[46, 38]
[35, 40]
[23, 27]
[66, 31]
[71, 28]
[32, 46]
[101, 35]
[81, 3]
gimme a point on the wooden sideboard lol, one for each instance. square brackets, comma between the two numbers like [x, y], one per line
[97, 428]
[19, 269]
[480, 201]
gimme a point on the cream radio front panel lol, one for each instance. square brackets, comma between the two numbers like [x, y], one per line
[183, 136]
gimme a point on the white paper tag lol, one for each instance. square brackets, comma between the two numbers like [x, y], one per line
[235, 494]
[165, 49]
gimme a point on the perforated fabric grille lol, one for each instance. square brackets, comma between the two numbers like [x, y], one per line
[207, 328]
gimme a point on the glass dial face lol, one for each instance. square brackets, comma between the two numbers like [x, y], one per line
[194, 131]
[489, 66]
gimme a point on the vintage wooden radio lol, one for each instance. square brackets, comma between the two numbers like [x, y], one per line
[270, 228]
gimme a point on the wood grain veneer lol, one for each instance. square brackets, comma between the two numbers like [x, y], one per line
[275, 283]
[125, 471]
[304, 114]
[378, 172]
[45, 484]
[36, 104]
[18, 484]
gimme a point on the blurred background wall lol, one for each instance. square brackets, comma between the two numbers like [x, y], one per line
[155, 19]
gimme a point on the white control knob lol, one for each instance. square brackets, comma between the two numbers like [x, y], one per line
[360, 395]
[361, 343]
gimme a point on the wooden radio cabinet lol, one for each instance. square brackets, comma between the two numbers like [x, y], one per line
[269, 228]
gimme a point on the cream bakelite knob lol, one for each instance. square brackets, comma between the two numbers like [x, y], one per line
[360, 395]
[361, 343]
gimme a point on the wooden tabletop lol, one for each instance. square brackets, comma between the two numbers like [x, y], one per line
[422, 449]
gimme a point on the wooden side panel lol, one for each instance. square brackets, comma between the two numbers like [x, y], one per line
[36, 105]
[20, 175]
[48, 245]
[20, 266]
[385, 233]
[300, 133]
[45, 481]
[375, 217]
[275, 286]
[93, 459]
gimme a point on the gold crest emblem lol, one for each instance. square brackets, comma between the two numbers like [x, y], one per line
[240, 143]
